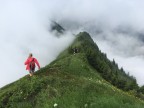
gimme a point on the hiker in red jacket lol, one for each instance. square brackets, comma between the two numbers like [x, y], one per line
[30, 64]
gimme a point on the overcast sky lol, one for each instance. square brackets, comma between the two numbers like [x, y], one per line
[24, 28]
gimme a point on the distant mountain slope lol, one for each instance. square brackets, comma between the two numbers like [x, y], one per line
[81, 77]
[56, 28]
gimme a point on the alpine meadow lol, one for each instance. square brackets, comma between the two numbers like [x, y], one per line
[71, 54]
[80, 77]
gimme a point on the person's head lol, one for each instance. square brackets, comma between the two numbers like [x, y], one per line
[30, 55]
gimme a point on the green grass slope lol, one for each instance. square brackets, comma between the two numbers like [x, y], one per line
[68, 82]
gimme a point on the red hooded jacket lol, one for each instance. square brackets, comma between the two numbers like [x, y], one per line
[29, 60]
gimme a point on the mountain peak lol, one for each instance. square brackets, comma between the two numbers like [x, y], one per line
[56, 28]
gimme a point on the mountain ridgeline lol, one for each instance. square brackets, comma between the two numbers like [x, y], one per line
[108, 69]
[56, 28]
[81, 77]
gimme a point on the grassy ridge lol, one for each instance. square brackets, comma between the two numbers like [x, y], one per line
[68, 82]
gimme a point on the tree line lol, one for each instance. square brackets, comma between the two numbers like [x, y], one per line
[109, 70]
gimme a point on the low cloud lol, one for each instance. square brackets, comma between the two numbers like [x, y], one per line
[23, 30]
[117, 28]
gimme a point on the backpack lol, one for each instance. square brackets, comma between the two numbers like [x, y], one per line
[32, 64]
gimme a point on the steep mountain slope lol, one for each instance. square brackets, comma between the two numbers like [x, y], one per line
[78, 78]
[56, 28]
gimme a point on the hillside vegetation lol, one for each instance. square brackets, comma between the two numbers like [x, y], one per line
[84, 79]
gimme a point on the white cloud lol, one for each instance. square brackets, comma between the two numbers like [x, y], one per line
[103, 20]
[24, 29]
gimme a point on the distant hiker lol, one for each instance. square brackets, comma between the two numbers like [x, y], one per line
[75, 50]
[30, 62]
